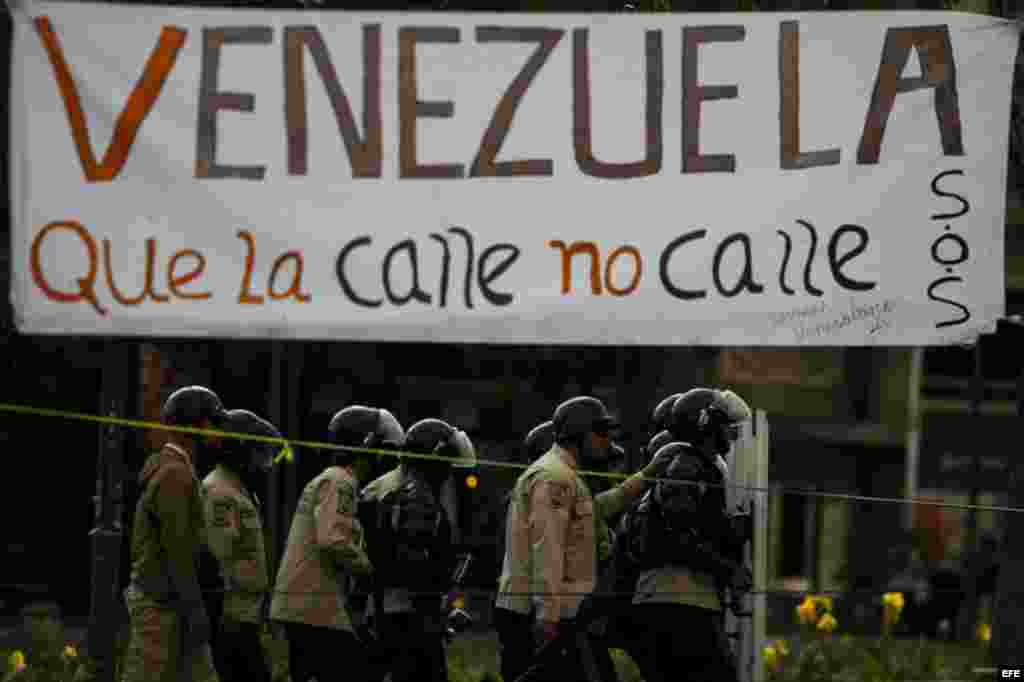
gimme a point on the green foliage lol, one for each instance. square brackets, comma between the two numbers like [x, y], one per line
[882, 659]
[46, 656]
[818, 654]
[812, 656]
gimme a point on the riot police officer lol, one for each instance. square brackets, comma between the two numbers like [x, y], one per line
[325, 553]
[410, 540]
[515, 640]
[169, 627]
[550, 560]
[235, 537]
[680, 538]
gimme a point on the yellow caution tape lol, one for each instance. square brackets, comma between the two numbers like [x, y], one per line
[287, 454]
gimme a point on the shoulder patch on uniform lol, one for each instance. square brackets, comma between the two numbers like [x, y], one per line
[558, 492]
[346, 498]
[222, 508]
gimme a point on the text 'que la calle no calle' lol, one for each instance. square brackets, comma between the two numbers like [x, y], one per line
[365, 147]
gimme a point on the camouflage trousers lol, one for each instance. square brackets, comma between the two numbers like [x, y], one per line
[155, 646]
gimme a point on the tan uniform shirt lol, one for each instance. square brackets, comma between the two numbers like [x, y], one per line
[168, 529]
[235, 537]
[551, 542]
[325, 548]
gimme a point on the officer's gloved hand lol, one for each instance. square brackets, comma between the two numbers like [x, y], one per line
[543, 632]
[197, 628]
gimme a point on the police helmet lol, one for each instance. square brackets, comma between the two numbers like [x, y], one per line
[661, 417]
[706, 411]
[437, 437]
[358, 425]
[734, 407]
[692, 413]
[190, 405]
[539, 440]
[660, 439]
[682, 467]
[248, 423]
[581, 415]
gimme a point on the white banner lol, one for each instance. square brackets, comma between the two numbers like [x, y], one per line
[729, 179]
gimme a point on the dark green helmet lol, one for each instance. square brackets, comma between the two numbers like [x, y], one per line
[539, 440]
[701, 412]
[581, 415]
[191, 405]
[371, 427]
[240, 451]
[437, 437]
[660, 439]
[661, 417]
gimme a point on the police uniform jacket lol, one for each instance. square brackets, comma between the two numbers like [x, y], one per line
[235, 537]
[325, 549]
[551, 541]
[168, 530]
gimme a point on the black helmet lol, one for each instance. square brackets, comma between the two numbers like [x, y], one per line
[660, 439]
[705, 411]
[246, 422]
[366, 426]
[692, 413]
[190, 405]
[581, 415]
[539, 440]
[437, 437]
[681, 467]
[661, 417]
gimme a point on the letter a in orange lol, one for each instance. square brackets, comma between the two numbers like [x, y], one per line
[139, 104]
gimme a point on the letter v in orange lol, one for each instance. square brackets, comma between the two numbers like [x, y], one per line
[139, 104]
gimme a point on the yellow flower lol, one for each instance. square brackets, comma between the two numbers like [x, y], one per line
[984, 632]
[893, 600]
[892, 603]
[70, 652]
[827, 623]
[807, 612]
[18, 662]
[823, 602]
[771, 658]
[782, 647]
